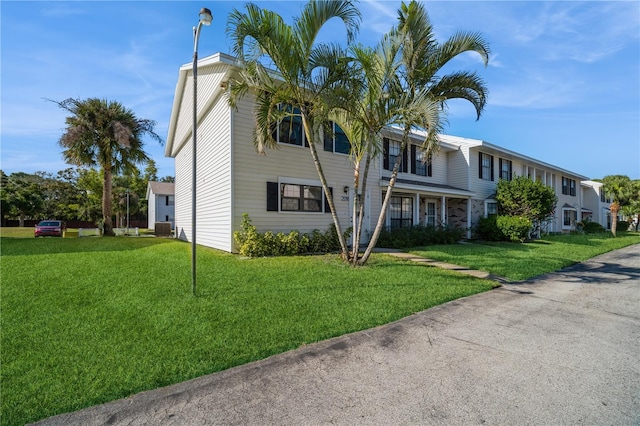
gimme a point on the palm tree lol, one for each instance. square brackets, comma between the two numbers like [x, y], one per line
[619, 189]
[306, 72]
[105, 134]
[418, 93]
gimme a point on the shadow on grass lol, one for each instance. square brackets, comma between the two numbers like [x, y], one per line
[43, 246]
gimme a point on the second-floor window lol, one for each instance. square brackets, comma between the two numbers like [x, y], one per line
[420, 165]
[568, 186]
[391, 154]
[485, 166]
[505, 169]
[335, 140]
[289, 129]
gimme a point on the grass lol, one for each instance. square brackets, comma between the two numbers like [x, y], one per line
[522, 261]
[89, 320]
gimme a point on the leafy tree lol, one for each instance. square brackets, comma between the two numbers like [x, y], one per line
[523, 197]
[4, 201]
[169, 179]
[105, 134]
[23, 196]
[620, 189]
[307, 72]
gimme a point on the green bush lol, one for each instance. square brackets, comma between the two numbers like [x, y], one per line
[622, 226]
[487, 229]
[252, 243]
[515, 228]
[419, 236]
[592, 228]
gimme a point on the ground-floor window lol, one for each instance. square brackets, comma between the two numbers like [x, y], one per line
[568, 218]
[490, 208]
[430, 218]
[401, 212]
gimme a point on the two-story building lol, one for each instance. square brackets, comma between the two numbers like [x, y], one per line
[280, 190]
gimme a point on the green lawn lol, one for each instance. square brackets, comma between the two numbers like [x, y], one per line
[522, 261]
[88, 320]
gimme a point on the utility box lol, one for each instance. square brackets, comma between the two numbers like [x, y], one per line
[163, 229]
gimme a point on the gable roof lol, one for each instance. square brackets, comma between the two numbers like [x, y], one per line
[160, 188]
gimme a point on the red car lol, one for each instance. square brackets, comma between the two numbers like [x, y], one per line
[52, 228]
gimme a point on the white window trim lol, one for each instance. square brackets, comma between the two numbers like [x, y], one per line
[486, 206]
[564, 209]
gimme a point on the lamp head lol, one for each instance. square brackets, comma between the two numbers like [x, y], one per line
[205, 16]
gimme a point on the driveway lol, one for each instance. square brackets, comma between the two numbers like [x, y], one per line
[561, 349]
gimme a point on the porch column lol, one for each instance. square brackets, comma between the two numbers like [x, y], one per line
[468, 217]
[416, 209]
[443, 210]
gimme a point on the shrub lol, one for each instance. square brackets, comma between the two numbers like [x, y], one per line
[487, 229]
[252, 243]
[592, 228]
[514, 228]
[623, 226]
[419, 236]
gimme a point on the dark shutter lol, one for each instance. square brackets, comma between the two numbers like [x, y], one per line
[491, 159]
[272, 196]
[500, 168]
[413, 159]
[385, 154]
[430, 168]
[405, 161]
[327, 208]
[328, 142]
[480, 165]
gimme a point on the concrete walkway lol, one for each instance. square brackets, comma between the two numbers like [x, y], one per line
[443, 265]
[561, 349]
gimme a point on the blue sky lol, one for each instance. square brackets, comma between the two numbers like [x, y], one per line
[564, 77]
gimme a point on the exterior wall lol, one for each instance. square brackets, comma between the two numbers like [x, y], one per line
[291, 164]
[151, 212]
[159, 210]
[214, 183]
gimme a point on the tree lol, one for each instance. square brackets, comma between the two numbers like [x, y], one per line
[105, 134]
[620, 189]
[420, 92]
[23, 196]
[307, 71]
[523, 197]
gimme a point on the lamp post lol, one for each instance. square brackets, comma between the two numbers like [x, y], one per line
[205, 19]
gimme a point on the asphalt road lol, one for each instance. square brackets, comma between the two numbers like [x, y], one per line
[561, 349]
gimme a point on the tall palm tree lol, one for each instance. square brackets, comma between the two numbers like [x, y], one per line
[105, 134]
[306, 72]
[419, 92]
[619, 188]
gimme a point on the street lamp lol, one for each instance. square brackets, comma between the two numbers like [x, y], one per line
[205, 19]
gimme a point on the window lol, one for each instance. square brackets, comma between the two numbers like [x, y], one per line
[431, 214]
[602, 198]
[335, 139]
[420, 165]
[568, 218]
[505, 169]
[401, 212]
[568, 186]
[300, 198]
[294, 197]
[490, 208]
[289, 129]
[169, 200]
[391, 153]
[485, 166]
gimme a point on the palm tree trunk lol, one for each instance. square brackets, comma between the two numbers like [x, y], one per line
[106, 202]
[360, 220]
[614, 209]
[387, 199]
[325, 187]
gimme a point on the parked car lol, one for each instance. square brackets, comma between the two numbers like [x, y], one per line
[53, 228]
